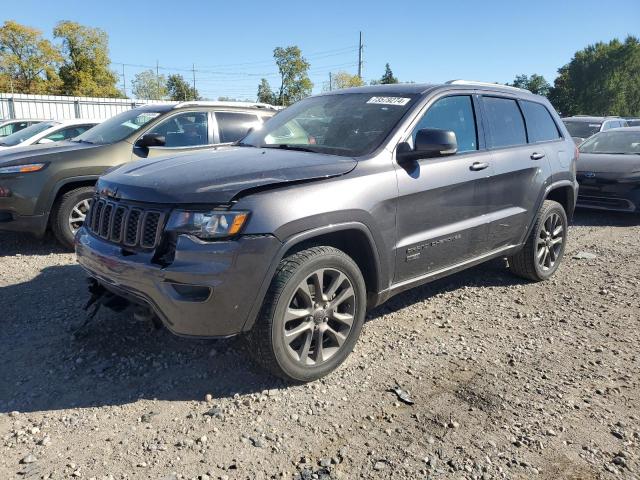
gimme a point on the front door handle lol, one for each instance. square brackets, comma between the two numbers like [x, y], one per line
[537, 156]
[478, 166]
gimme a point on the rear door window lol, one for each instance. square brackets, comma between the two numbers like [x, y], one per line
[540, 124]
[506, 125]
[234, 126]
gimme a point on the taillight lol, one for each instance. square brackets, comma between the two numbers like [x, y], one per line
[577, 155]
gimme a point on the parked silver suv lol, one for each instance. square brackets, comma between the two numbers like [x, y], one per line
[582, 127]
[338, 203]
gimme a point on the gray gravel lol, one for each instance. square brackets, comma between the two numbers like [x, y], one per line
[509, 380]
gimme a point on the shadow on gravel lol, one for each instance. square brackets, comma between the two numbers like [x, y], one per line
[25, 244]
[603, 218]
[117, 360]
[490, 274]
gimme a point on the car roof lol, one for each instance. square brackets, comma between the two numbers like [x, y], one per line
[166, 107]
[15, 120]
[624, 129]
[423, 88]
[589, 118]
[78, 121]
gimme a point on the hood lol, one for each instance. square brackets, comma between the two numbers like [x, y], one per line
[47, 152]
[608, 163]
[217, 176]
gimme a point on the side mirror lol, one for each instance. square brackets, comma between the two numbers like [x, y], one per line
[45, 140]
[429, 143]
[151, 140]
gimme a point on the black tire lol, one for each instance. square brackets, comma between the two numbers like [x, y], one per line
[532, 262]
[62, 211]
[290, 359]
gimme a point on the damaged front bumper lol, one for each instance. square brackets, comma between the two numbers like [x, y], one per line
[208, 290]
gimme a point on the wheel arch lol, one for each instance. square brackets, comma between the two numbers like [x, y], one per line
[564, 194]
[353, 238]
[65, 186]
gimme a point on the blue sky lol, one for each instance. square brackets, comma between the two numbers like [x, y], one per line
[231, 43]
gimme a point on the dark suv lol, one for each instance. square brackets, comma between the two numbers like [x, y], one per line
[49, 186]
[339, 202]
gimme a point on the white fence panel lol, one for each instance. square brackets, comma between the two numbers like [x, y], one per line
[57, 107]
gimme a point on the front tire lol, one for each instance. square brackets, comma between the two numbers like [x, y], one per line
[544, 248]
[312, 315]
[69, 213]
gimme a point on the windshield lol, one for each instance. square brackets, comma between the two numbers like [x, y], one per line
[582, 129]
[117, 128]
[349, 124]
[25, 134]
[616, 141]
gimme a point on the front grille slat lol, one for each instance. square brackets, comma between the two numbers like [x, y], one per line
[124, 224]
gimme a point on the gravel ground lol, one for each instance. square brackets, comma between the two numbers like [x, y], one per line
[509, 379]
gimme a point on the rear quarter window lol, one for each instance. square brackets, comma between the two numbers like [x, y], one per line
[540, 124]
[506, 125]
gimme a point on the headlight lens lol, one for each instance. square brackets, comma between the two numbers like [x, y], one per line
[30, 167]
[207, 225]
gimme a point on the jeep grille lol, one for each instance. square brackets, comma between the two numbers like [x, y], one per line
[128, 225]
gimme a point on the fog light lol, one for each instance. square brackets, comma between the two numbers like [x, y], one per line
[191, 293]
[4, 192]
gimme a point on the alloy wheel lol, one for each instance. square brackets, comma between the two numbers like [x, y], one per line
[319, 317]
[78, 214]
[550, 242]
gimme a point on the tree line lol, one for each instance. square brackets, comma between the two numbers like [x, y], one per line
[601, 79]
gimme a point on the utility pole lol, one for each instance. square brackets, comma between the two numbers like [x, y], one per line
[330, 82]
[193, 70]
[157, 80]
[360, 48]
[124, 82]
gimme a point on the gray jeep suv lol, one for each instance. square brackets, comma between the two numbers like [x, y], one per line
[336, 204]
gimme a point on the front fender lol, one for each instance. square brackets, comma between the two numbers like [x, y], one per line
[308, 235]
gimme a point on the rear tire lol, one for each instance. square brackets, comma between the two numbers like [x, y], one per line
[68, 214]
[544, 248]
[312, 315]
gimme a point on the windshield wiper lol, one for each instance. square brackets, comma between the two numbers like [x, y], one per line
[242, 144]
[82, 141]
[288, 146]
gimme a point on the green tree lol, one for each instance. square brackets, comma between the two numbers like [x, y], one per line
[265, 94]
[387, 76]
[180, 90]
[28, 62]
[149, 86]
[345, 80]
[294, 74]
[602, 79]
[85, 71]
[535, 84]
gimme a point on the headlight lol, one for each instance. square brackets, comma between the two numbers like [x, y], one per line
[207, 225]
[30, 167]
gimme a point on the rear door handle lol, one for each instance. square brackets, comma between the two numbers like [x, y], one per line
[478, 166]
[537, 156]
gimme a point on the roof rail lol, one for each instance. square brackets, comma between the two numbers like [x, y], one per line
[485, 84]
[208, 103]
